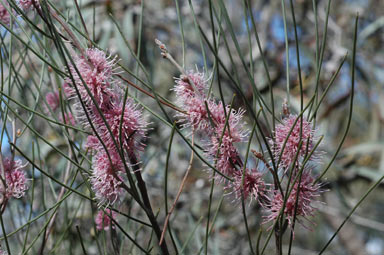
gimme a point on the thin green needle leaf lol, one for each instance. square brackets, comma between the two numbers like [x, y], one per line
[350, 104]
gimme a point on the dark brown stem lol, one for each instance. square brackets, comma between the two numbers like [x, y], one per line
[278, 240]
[148, 208]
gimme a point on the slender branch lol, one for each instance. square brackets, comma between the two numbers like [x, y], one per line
[147, 204]
[178, 192]
[150, 95]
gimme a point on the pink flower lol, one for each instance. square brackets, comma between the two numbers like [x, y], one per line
[92, 142]
[282, 133]
[224, 154]
[254, 185]
[191, 100]
[105, 179]
[5, 17]
[101, 104]
[29, 4]
[308, 192]
[197, 116]
[104, 221]
[235, 126]
[53, 100]
[133, 127]
[221, 147]
[68, 90]
[96, 71]
[184, 89]
[204, 114]
[15, 178]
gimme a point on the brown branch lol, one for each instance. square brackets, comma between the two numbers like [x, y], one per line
[148, 208]
[150, 95]
[178, 194]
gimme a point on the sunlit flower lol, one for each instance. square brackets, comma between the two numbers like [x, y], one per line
[186, 85]
[229, 120]
[205, 115]
[224, 154]
[92, 142]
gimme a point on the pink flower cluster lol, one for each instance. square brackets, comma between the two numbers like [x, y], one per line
[104, 221]
[191, 101]
[299, 202]
[92, 76]
[118, 127]
[15, 179]
[253, 187]
[304, 190]
[287, 137]
[223, 128]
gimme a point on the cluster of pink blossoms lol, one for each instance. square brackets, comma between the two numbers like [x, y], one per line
[118, 127]
[292, 131]
[299, 201]
[15, 179]
[223, 128]
[287, 138]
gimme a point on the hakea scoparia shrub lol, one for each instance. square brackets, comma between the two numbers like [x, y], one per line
[223, 130]
[118, 125]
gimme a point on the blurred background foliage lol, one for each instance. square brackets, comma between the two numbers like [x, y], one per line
[359, 164]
